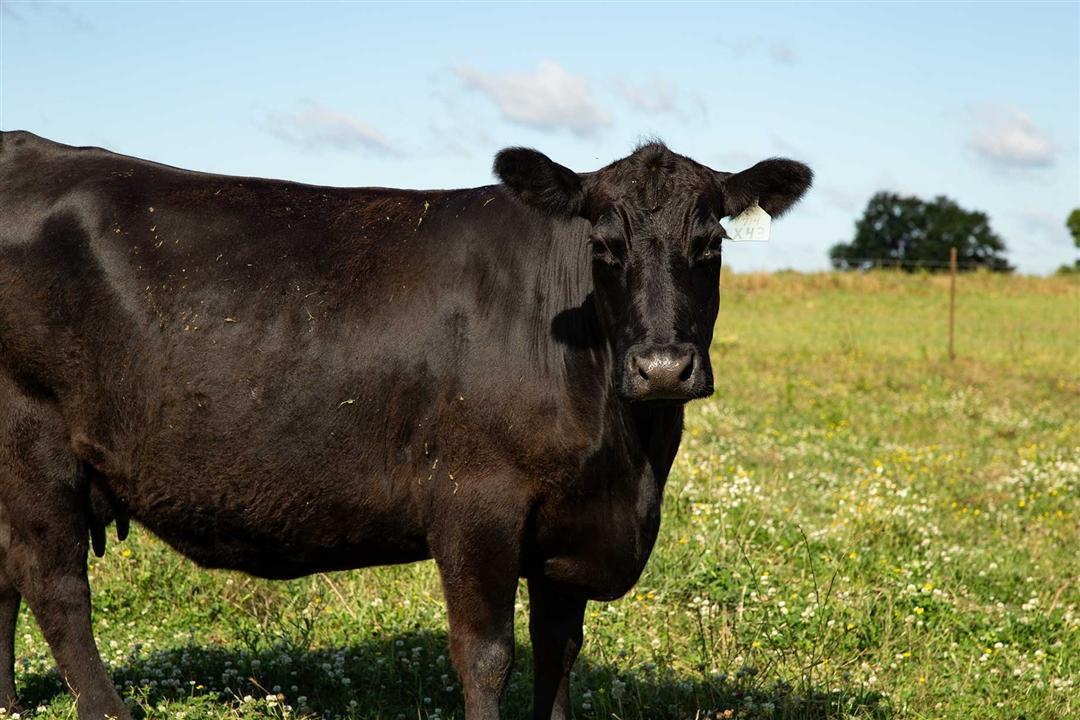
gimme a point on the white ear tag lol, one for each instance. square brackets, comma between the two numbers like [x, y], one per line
[751, 225]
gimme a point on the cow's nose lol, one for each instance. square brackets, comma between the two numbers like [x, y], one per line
[662, 372]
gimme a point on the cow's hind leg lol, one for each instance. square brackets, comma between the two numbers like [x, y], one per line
[43, 546]
[9, 615]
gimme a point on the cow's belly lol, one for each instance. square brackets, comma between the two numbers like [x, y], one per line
[274, 466]
[256, 552]
[291, 530]
[275, 491]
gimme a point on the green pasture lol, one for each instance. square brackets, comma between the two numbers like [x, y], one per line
[855, 527]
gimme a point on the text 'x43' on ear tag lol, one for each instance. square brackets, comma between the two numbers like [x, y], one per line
[751, 225]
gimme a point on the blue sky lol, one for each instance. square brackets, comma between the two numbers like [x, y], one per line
[980, 102]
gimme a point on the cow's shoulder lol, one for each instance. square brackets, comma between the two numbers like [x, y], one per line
[36, 173]
[22, 147]
[10, 140]
[20, 151]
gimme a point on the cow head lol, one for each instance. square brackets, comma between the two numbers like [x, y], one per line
[655, 240]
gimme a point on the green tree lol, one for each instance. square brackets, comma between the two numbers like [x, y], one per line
[1073, 224]
[912, 233]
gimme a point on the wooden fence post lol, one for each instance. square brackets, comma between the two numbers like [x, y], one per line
[952, 304]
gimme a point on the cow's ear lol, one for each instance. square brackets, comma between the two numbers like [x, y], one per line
[540, 182]
[774, 184]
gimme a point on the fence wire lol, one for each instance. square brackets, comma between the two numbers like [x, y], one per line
[867, 263]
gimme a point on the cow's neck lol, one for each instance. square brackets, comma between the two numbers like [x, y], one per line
[585, 361]
[660, 430]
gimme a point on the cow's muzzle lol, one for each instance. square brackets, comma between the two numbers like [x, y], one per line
[665, 372]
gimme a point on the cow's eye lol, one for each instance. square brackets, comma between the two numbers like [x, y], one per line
[707, 249]
[604, 250]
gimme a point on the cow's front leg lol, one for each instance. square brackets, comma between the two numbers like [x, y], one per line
[479, 565]
[480, 608]
[9, 615]
[556, 614]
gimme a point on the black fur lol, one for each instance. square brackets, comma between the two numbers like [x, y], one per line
[285, 379]
[540, 182]
[774, 184]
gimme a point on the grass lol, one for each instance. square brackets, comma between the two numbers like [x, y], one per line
[854, 528]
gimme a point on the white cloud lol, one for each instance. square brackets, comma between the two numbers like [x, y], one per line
[782, 53]
[453, 129]
[1048, 224]
[658, 96]
[317, 126]
[842, 199]
[778, 50]
[655, 96]
[549, 98]
[1008, 137]
[1038, 240]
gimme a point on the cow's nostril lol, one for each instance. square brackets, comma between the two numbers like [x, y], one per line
[688, 368]
[662, 372]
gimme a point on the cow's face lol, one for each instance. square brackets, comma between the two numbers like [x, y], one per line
[655, 240]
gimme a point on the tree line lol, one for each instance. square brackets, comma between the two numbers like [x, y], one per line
[915, 234]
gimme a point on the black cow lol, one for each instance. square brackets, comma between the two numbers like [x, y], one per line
[285, 379]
